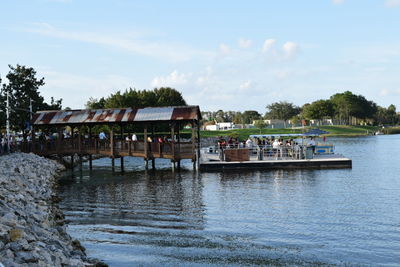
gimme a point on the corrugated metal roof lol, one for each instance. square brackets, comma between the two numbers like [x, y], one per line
[121, 115]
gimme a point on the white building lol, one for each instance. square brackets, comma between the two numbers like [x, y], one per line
[220, 126]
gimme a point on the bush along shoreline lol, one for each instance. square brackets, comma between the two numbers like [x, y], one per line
[32, 227]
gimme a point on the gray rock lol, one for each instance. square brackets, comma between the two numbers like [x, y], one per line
[32, 227]
[26, 257]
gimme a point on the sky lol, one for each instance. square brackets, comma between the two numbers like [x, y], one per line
[230, 55]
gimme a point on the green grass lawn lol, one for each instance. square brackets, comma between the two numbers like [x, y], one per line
[333, 131]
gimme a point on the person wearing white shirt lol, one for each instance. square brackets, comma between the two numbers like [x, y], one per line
[311, 143]
[249, 143]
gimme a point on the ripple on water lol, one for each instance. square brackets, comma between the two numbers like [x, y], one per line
[277, 218]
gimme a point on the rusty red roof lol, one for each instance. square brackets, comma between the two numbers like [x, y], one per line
[117, 115]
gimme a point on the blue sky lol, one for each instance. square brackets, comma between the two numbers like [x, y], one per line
[231, 55]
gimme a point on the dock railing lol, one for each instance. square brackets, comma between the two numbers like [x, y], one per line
[266, 152]
[172, 150]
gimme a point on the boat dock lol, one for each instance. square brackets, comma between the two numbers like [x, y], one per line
[318, 162]
[296, 154]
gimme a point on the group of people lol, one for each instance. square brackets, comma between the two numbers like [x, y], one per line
[231, 143]
[274, 147]
[11, 143]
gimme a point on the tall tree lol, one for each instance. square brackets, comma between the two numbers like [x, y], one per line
[348, 105]
[318, 110]
[159, 97]
[282, 111]
[22, 87]
[249, 116]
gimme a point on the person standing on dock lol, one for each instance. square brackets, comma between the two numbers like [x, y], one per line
[311, 143]
[249, 143]
[102, 138]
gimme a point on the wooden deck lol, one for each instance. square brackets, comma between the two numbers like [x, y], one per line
[173, 151]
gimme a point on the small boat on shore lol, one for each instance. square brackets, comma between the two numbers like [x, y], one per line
[277, 151]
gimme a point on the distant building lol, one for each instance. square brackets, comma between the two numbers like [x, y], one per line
[220, 126]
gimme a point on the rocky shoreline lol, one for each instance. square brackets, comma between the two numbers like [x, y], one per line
[32, 227]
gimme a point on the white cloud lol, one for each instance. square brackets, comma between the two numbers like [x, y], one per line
[392, 3]
[168, 51]
[290, 49]
[245, 85]
[225, 49]
[173, 79]
[268, 45]
[338, 2]
[244, 43]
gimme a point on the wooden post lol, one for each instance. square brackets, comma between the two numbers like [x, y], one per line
[112, 148]
[173, 141]
[145, 147]
[198, 144]
[179, 138]
[179, 146]
[72, 138]
[193, 145]
[80, 140]
[90, 162]
[122, 137]
[112, 141]
[122, 164]
[90, 152]
[153, 163]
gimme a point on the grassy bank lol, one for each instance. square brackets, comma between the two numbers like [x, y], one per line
[333, 131]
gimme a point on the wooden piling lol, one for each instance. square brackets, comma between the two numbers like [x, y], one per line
[90, 162]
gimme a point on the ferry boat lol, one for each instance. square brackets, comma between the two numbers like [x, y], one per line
[275, 151]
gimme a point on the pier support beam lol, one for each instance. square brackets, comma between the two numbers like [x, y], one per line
[90, 145]
[153, 163]
[80, 161]
[173, 165]
[113, 164]
[146, 164]
[72, 161]
[122, 164]
[90, 162]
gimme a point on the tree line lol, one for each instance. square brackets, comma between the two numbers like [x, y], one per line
[22, 86]
[346, 108]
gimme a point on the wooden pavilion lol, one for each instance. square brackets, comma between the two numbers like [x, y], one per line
[83, 141]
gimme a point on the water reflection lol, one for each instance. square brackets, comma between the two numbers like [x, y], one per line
[277, 217]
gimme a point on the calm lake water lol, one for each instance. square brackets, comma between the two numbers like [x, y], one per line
[287, 218]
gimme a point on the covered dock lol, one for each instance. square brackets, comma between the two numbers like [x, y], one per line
[158, 132]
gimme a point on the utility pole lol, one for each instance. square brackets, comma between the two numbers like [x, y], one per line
[8, 121]
[30, 113]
